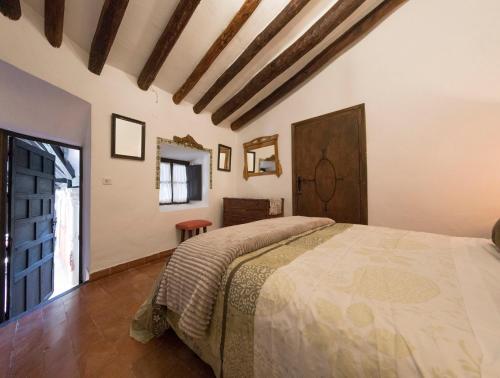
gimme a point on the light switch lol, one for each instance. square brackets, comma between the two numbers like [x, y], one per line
[107, 181]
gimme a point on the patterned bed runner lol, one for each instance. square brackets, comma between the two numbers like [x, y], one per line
[193, 275]
[229, 337]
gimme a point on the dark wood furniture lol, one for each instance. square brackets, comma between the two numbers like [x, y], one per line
[192, 225]
[245, 210]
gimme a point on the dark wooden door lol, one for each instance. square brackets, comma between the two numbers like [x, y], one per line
[329, 166]
[3, 217]
[31, 231]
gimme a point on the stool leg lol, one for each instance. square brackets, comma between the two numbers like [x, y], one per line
[197, 231]
[183, 235]
[190, 233]
[205, 229]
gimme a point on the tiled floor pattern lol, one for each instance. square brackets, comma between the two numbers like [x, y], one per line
[86, 334]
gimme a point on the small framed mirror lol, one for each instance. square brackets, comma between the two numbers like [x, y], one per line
[261, 157]
[251, 161]
[128, 138]
[224, 158]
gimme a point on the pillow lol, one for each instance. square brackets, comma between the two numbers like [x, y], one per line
[496, 234]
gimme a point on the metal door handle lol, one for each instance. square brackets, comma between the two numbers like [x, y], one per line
[299, 185]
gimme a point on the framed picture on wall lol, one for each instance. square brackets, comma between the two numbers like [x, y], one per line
[128, 138]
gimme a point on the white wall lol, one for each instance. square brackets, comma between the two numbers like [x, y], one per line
[429, 76]
[32, 106]
[126, 222]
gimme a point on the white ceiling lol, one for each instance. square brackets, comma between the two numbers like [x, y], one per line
[145, 20]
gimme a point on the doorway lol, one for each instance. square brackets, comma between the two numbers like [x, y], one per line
[42, 211]
[329, 166]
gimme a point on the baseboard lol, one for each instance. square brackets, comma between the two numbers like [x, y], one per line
[131, 264]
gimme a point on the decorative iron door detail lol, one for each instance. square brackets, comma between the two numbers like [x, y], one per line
[325, 168]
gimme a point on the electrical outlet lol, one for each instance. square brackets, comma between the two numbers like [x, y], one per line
[107, 181]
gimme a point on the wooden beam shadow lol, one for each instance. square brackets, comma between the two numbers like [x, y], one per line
[54, 21]
[261, 41]
[219, 44]
[330, 53]
[11, 9]
[337, 14]
[166, 42]
[109, 21]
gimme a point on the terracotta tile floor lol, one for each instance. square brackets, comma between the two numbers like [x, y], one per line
[86, 334]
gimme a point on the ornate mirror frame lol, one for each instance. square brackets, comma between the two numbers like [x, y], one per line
[186, 142]
[259, 143]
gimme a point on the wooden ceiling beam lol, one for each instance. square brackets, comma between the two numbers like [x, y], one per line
[166, 42]
[273, 28]
[213, 52]
[332, 52]
[337, 14]
[54, 21]
[11, 9]
[109, 21]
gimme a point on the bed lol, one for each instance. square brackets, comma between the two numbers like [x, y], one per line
[308, 297]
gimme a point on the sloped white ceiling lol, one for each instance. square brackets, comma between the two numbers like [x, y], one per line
[145, 20]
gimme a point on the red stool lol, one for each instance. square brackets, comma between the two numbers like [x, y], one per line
[192, 225]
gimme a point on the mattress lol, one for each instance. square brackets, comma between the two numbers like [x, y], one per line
[351, 301]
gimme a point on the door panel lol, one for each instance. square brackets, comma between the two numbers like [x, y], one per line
[329, 166]
[31, 271]
[3, 218]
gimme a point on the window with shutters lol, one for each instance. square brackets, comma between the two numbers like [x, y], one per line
[184, 178]
[180, 182]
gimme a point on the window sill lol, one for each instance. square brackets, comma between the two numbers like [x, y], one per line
[184, 206]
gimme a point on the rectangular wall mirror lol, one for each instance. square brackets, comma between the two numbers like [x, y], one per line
[266, 161]
[224, 158]
[128, 138]
[261, 157]
[251, 162]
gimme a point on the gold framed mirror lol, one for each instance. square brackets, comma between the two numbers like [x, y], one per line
[261, 157]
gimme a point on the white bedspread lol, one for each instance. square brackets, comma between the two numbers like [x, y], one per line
[378, 302]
